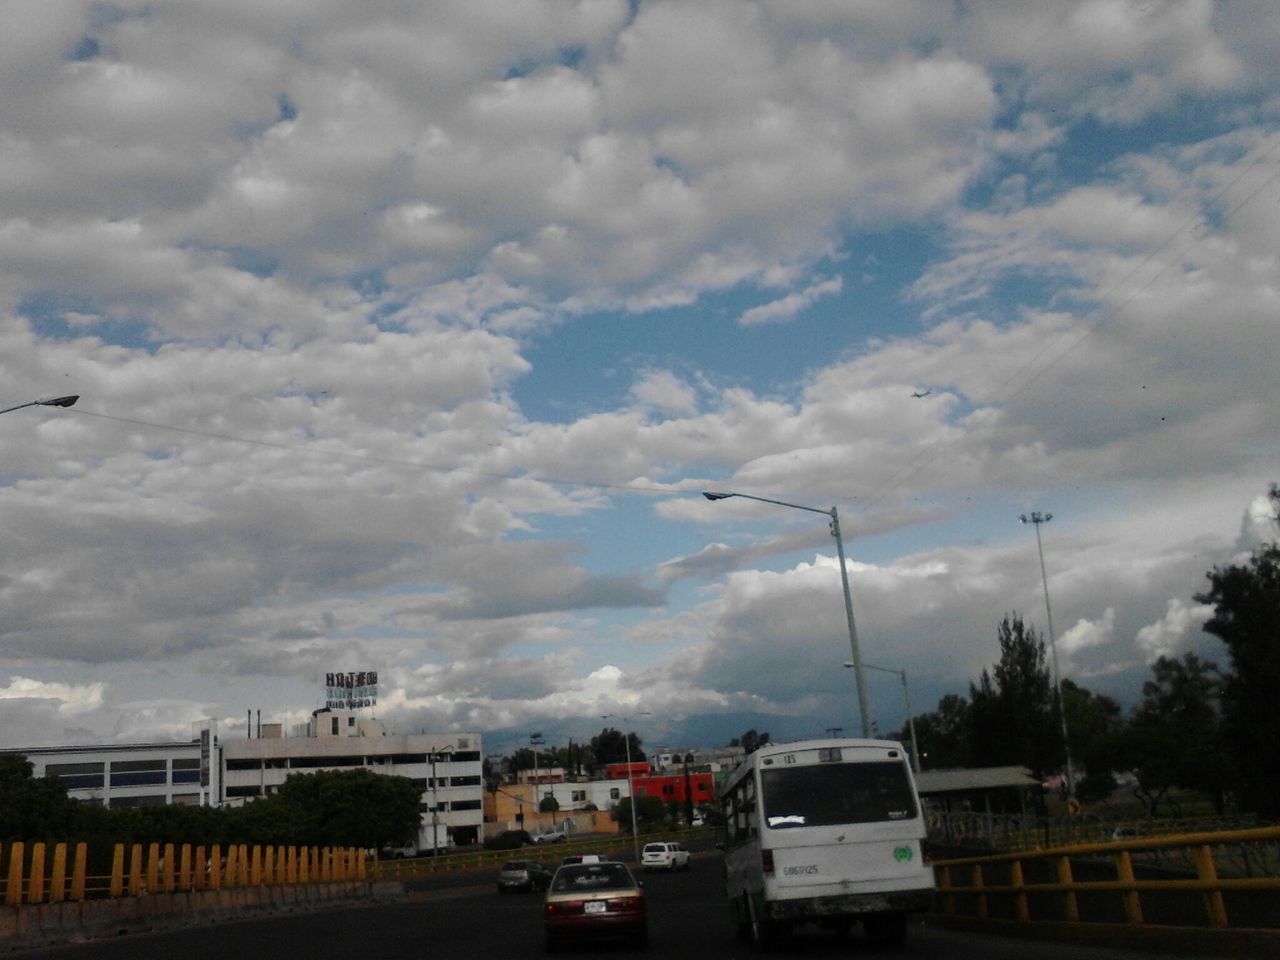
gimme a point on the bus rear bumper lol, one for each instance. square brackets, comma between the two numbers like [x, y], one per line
[851, 904]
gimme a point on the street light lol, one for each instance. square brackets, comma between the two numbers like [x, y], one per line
[55, 402]
[631, 790]
[864, 706]
[906, 699]
[1036, 519]
[435, 797]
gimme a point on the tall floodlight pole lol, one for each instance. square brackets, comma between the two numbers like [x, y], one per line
[864, 704]
[631, 789]
[1036, 519]
[55, 402]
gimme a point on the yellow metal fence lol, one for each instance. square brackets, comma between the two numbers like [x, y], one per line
[43, 873]
[1151, 881]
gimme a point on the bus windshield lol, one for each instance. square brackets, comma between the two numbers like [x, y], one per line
[829, 794]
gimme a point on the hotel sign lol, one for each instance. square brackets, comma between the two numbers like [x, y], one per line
[351, 690]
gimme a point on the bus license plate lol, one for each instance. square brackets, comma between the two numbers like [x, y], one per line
[595, 906]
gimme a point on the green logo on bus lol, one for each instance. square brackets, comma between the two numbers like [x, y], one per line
[902, 854]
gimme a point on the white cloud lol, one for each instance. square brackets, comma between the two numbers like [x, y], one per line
[1089, 633]
[786, 308]
[1172, 634]
[664, 391]
[70, 700]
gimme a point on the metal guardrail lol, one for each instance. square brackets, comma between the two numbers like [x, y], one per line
[1125, 878]
[59, 872]
[1022, 832]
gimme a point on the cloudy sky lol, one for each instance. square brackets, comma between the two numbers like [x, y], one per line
[407, 334]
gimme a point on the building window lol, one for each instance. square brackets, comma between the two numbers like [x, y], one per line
[139, 773]
[579, 796]
[615, 793]
[243, 791]
[465, 805]
[77, 776]
[300, 762]
[150, 800]
[334, 727]
[463, 782]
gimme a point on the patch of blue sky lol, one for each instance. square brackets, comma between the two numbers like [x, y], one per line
[260, 263]
[634, 539]
[49, 314]
[602, 356]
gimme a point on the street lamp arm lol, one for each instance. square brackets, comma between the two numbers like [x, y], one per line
[714, 495]
[864, 706]
[67, 401]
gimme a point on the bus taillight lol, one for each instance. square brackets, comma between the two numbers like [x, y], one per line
[766, 860]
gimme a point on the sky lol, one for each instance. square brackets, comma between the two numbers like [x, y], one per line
[407, 335]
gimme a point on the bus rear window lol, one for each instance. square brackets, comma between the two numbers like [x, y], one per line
[830, 794]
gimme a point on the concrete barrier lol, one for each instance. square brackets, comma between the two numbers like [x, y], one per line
[51, 924]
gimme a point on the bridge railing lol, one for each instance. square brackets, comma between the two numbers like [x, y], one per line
[1025, 831]
[55, 873]
[1234, 876]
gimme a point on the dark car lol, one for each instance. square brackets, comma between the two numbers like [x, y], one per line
[594, 900]
[523, 875]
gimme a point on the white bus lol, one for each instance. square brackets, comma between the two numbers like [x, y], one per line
[825, 831]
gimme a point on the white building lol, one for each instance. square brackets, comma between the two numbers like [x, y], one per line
[212, 771]
[447, 768]
[134, 774]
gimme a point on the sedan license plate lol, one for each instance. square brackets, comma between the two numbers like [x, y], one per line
[595, 906]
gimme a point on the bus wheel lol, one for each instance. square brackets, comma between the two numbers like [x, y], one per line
[742, 920]
[886, 929]
[765, 933]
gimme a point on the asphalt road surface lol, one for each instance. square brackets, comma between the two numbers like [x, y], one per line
[687, 919]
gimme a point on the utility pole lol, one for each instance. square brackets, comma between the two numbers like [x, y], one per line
[1036, 519]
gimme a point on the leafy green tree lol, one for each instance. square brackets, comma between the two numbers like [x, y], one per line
[651, 813]
[1095, 725]
[549, 803]
[610, 746]
[1175, 738]
[943, 735]
[751, 741]
[1246, 617]
[1012, 714]
[341, 808]
[32, 809]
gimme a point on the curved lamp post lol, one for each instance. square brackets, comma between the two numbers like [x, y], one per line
[631, 790]
[906, 699]
[864, 706]
[68, 401]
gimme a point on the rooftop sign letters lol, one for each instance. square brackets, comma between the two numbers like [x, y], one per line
[351, 690]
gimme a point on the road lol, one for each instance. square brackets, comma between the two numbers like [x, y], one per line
[688, 921]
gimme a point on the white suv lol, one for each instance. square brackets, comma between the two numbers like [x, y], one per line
[664, 856]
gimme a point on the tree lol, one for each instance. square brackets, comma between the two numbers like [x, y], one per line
[1012, 716]
[32, 809]
[1175, 739]
[651, 813]
[610, 746]
[751, 741]
[1246, 617]
[943, 735]
[1095, 725]
[356, 808]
